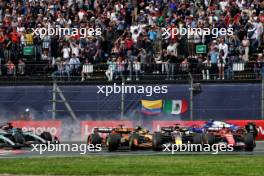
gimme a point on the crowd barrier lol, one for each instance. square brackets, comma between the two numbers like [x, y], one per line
[86, 127]
[37, 127]
[260, 125]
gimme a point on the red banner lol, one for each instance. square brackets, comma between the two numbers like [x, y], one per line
[88, 126]
[37, 127]
[260, 125]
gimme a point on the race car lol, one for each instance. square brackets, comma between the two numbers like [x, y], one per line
[16, 138]
[177, 135]
[219, 132]
[216, 125]
[10, 138]
[121, 138]
[115, 137]
[140, 139]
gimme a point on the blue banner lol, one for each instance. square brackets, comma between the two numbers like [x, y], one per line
[217, 101]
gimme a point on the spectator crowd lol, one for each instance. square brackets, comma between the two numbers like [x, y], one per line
[132, 41]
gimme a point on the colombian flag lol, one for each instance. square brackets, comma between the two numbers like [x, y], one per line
[151, 107]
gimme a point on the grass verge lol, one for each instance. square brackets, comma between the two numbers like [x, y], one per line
[203, 165]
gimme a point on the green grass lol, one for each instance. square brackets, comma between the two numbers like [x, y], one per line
[202, 165]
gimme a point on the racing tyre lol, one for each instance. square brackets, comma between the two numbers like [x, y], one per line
[19, 140]
[157, 141]
[198, 138]
[210, 139]
[134, 141]
[113, 141]
[94, 139]
[249, 142]
[251, 128]
[46, 136]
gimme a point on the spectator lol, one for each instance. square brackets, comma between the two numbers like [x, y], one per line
[252, 36]
[75, 49]
[172, 48]
[23, 41]
[185, 66]
[66, 68]
[221, 65]
[66, 51]
[120, 67]
[259, 31]
[46, 43]
[29, 37]
[129, 42]
[170, 65]
[261, 16]
[129, 29]
[21, 67]
[214, 56]
[87, 69]
[59, 68]
[142, 56]
[130, 61]
[152, 34]
[2, 44]
[259, 67]
[137, 68]
[74, 64]
[206, 69]
[27, 115]
[10, 68]
[158, 63]
[111, 69]
[224, 48]
[245, 45]
[8, 48]
[15, 37]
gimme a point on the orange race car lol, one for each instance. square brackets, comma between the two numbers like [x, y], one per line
[121, 138]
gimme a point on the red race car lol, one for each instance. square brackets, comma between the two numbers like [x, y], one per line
[240, 138]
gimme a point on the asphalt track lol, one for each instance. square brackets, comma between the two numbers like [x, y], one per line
[27, 153]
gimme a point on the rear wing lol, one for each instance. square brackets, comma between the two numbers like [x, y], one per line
[213, 129]
[3, 124]
[119, 130]
[123, 130]
[103, 130]
[167, 129]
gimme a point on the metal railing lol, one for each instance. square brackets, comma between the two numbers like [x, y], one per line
[134, 72]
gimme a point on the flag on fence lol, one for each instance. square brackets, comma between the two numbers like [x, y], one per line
[175, 106]
[151, 107]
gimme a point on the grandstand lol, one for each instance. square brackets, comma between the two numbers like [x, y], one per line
[131, 45]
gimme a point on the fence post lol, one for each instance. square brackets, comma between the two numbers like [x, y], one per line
[54, 101]
[122, 100]
[262, 98]
[191, 96]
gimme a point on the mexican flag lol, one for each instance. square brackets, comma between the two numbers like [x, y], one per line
[175, 106]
